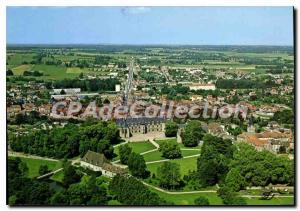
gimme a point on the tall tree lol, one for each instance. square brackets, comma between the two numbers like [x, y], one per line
[124, 152]
[137, 165]
[171, 129]
[169, 175]
[192, 134]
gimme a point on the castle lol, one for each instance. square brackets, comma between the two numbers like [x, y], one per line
[142, 125]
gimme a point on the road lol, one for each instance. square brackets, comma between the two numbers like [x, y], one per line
[18, 154]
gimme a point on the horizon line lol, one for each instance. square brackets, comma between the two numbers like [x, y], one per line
[151, 44]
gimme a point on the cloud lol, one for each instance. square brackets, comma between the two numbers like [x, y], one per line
[135, 10]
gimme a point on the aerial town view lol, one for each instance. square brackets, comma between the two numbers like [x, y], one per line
[150, 106]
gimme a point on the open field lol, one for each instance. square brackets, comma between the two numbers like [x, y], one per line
[52, 72]
[19, 70]
[17, 59]
[137, 147]
[74, 70]
[186, 165]
[34, 165]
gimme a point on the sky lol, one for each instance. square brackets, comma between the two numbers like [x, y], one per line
[150, 25]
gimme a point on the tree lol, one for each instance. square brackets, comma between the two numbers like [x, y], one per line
[137, 165]
[62, 92]
[70, 175]
[201, 201]
[171, 129]
[229, 197]
[43, 169]
[212, 165]
[285, 117]
[192, 134]
[130, 191]
[168, 175]
[234, 180]
[260, 168]
[9, 72]
[170, 150]
[124, 152]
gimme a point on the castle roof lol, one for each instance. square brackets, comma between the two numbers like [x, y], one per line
[122, 122]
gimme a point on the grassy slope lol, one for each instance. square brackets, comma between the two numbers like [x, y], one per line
[186, 165]
[137, 147]
[19, 70]
[34, 165]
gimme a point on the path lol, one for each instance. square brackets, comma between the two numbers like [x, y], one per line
[154, 143]
[152, 150]
[159, 161]
[18, 154]
[190, 149]
[205, 191]
[120, 144]
[178, 192]
[258, 196]
[50, 173]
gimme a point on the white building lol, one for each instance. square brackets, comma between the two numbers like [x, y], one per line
[196, 86]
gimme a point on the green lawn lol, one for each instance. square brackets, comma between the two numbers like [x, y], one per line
[113, 202]
[137, 147]
[186, 165]
[34, 165]
[153, 156]
[273, 201]
[188, 199]
[175, 141]
[58, 177]
[185, 153]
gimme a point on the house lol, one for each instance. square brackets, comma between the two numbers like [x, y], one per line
[67, 91]
[217, 129]
[13, 110]
[45, 109]
[196, 98]
[98, 162]
[253, 140]
[267, 140]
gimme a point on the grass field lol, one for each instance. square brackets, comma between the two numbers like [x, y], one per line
[52, 72]
[188, 199]
[113, 202]
[16, 59]
[273, 201]
[19, 70]
[34, 165]
[185, 153]
[186, 165]
[74, 70]
[175, 141]
[153, 156]
[137, 147]
[58, 177]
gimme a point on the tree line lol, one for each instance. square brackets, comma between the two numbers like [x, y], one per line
[69, 141]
